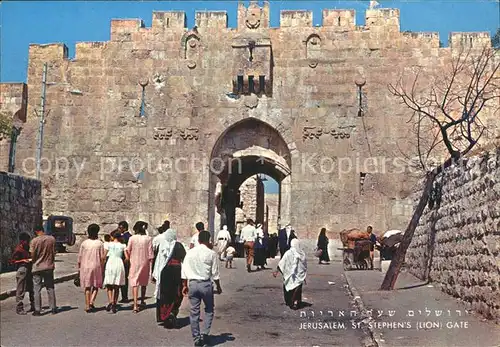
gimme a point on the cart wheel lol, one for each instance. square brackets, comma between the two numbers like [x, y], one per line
[346, 263]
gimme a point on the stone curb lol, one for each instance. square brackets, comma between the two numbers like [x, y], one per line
[9, 293]
[365, 319]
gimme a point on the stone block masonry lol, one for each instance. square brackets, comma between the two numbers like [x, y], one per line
[20, 210]
[175, 98]
[13, 106]
[459, 238]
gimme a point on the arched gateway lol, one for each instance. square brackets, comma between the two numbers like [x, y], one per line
[244, 149]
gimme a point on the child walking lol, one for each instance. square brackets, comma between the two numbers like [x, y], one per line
[114, 273]
[230, 251]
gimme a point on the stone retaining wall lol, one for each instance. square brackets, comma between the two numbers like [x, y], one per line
[460, 237]
[20, 210]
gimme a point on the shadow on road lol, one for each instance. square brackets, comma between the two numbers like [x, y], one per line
[181, 323]
[304, 304]
[220, 339]
[60, 309]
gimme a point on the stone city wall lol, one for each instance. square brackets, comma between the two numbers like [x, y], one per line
[20, 210]
[13, 106]
[460, 237]
[169, 92]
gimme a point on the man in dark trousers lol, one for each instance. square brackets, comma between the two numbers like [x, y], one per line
[21, 258]
[123, 228]
[285, 237]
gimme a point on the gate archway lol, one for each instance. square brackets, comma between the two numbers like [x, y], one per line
[247, 148]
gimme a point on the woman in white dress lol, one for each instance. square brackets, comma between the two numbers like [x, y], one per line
[114, 275]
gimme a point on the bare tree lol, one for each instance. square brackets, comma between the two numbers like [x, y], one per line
[447, 112]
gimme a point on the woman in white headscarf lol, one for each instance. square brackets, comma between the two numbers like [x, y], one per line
[293, 267]
[167, 277]
[222, 241]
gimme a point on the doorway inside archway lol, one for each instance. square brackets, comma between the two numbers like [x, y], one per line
[247, 155]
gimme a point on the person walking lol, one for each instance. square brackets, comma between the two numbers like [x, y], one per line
[167, 277]
[200, 268]
[24, 278]
[285, 238]
[91, 259]
[125, 236]
[373, 240]
[230, 252]
[222, 241]
[194, 239]
[43, 255]
[323, 246]
[259, 249]
[140, 254]
[248, 238]
[114, 273]
[158, 238]
[293, 267]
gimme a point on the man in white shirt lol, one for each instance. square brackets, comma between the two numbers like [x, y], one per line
[157, 238]
[200, 267]
[248, 237]
[194, 240]
[222, 241]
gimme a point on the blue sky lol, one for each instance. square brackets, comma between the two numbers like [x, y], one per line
[25, 22]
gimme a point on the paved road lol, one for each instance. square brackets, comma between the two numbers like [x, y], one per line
[250, 312]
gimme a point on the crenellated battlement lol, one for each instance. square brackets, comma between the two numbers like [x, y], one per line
[344, 19]
[469, 40]
[296, 19]
[48, 51]
[122, 29]
[211, 19]
[385, 18]
[163, 20]
[382, 29]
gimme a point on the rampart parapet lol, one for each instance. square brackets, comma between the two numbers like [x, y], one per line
[344, 19]
[381, 30]
[296, 19]
[211, 19]
[469, 40]
[49, 51]
[163, 20]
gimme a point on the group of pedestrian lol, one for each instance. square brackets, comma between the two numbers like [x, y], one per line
[35, 262]
[105, 265]
[174, 271]
[124, 260]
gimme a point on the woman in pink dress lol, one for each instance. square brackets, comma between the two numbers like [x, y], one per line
[91, 260]
[140, 254]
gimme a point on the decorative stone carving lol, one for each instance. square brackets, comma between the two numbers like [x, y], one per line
[191, 48]
[162, 133]
[314, 132]
[313, 49]
[158, 80]
[253, 17]
[251, 101]
[166, 133]
[189, 133]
